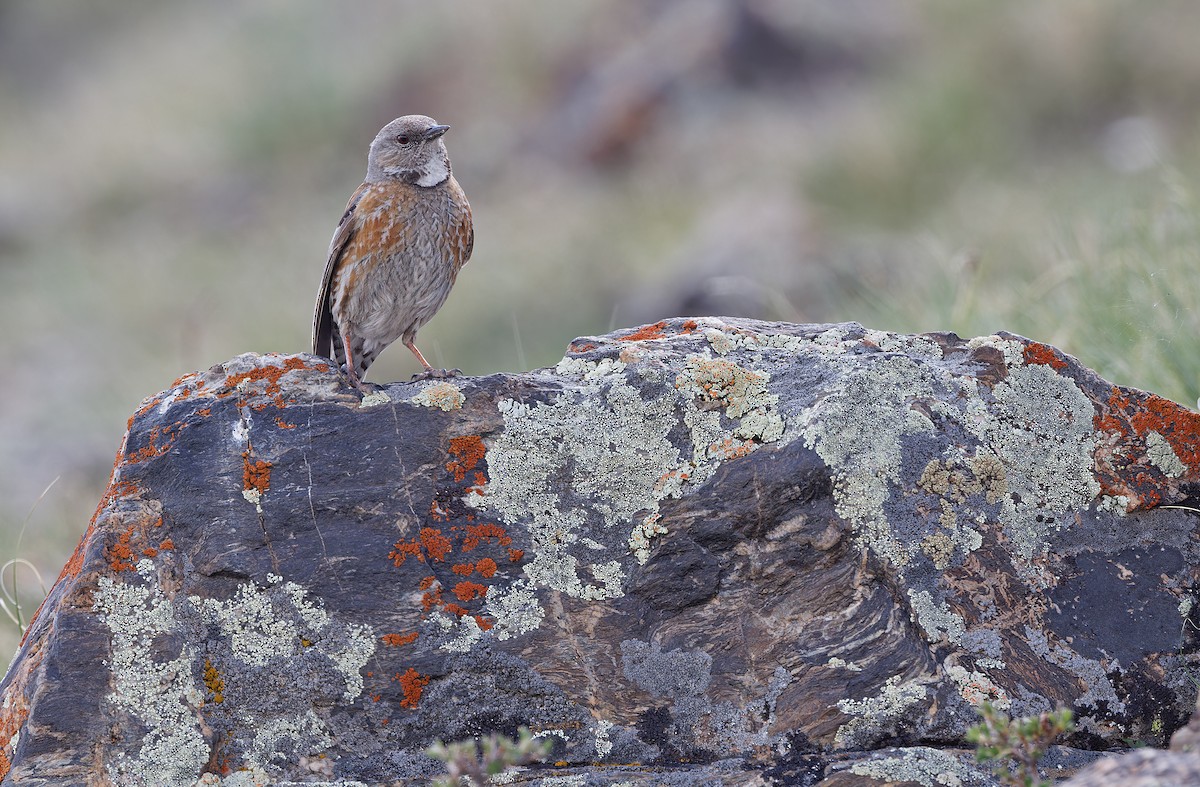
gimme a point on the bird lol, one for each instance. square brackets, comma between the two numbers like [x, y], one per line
[397, 251]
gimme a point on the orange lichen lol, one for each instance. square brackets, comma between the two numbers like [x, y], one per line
[205, 412]
[1036, 353]
[153, 446]
[282, 424]
[515, 555]
[166, 543]
[431, 598]
[1127, 421]
[484, 623]
[484, 532]
[150, 552]
[121, 555]
[256, 473]
[456, 610]
[729, 448]
[486, 567]
[467, 451]
[581, 347]
[402, 550]
[463, 569]
[396, 640]
[436, 544]
[214, 682]
[270, 375]
[469, 591]
[412, 683]
[656, 331]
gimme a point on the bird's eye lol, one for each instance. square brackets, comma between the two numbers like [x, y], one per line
[402, 139]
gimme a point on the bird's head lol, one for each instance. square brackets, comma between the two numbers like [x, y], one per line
[410, 148]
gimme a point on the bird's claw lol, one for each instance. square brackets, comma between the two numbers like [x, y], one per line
[436, 374]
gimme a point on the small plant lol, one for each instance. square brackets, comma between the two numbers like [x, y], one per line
[480, 759]
[1021, 741]
[10, 604]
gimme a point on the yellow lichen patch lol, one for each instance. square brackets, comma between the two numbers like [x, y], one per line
[444, 396]
[743, 392]
[214, 682]
[940, 548]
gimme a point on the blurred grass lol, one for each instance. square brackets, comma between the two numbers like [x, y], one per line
[170, 175]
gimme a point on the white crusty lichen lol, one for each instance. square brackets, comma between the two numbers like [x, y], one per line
[279, 621]
[743, 392]
[975, 687]
[254, 629]
[374, 399]
[161, 694]
[1035, 431]
[1042, 431]
[936, 620]
[857, 430]
[514, 609]
[589, 468]
[443, 395]
[877, 717]
[926, 766]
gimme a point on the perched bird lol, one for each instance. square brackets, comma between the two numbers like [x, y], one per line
[397, 250]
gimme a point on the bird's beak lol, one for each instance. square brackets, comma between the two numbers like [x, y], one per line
[436, 131]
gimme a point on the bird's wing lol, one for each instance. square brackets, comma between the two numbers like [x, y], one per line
[323, 316]
[464, 230]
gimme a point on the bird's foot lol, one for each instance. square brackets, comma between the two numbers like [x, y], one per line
[436, 374]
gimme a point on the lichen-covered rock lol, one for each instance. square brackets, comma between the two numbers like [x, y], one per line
[706, 551]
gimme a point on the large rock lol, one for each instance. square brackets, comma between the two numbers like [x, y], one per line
[698, 552]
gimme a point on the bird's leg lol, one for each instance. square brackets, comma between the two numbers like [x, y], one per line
[429, 371]
[351, 372]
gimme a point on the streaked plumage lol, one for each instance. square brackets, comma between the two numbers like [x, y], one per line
[397, 251]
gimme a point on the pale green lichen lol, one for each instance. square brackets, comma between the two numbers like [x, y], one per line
[254, 495]
[1042, 432]
[857, 430]
[925, 766]
[914, 346]
[374, 399]
[840, 663]
[743, 392]
[563, 781]
[459, 634]
[1012, 350]
[878, 715]
[255, 626]
[936, 620]
[611, 442]
[160, 694]
[514, 609]
[261, 625]
[722, 343]
[600, 735]
[1163, 456]
[1089, 671]
[443, 395]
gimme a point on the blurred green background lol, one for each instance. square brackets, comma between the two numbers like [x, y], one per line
[171, 173]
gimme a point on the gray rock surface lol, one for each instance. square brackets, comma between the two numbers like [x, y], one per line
[708, 551]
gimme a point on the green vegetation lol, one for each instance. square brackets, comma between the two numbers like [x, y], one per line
[1014, 746]
[478, 760]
